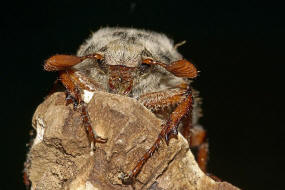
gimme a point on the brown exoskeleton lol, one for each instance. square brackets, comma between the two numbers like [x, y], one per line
[140, 64]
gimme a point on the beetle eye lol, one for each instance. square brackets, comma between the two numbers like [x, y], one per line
[144, 67]
[100, 62]
[102, 65]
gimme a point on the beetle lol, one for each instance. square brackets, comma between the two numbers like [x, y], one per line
[140, 64]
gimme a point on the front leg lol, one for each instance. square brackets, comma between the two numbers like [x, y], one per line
[74, 86]
[163, 99]
[195, 135]
[168, 130]
[70, 81]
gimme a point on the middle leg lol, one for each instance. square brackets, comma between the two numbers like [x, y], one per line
[196, 137]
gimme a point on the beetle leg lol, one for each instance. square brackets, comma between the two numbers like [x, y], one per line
[159, 100]
[73, 96]
[202, 156]
[169, 129]
[92, 136]
[26, 180]
[72, 91]
[196, 137]
[70, 80]
[198, 142]
[186, 127]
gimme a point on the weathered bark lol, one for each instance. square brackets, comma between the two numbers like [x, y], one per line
[60, 156]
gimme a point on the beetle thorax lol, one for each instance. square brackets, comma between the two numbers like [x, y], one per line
[122, 53]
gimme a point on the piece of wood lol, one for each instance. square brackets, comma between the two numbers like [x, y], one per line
[60, 156]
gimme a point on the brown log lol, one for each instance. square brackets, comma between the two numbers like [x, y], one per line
[60, 156]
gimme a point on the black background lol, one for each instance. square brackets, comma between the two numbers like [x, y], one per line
[236, 46]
